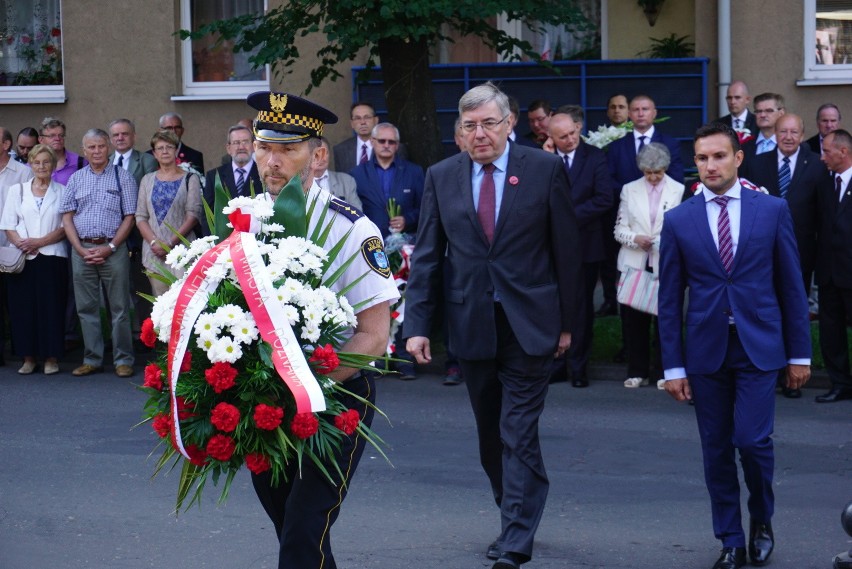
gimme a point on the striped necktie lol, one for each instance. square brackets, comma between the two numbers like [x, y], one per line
[363, 154]
[241, 181]
[784, 176]
[726, 245]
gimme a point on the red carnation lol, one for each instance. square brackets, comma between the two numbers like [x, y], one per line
[257, 462]
[186, 364]
[325, 358]
[153, 377]
[267, 417]
[162, 425]
[304, 425]
[184, 408]
[348, 421]
[197, 455]
[225, 417]
[221, 447]
[148, 336]
[221, 376]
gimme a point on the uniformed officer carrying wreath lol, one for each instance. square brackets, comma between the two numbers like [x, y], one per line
[304, 507]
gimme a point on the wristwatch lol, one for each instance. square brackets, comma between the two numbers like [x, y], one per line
[111, 246]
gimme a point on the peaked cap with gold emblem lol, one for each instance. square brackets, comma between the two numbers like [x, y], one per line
[285, 118]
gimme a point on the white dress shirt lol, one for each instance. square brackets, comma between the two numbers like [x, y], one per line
[648, 134]
[126, 159]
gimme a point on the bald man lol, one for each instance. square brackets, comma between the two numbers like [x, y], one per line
[738, 117]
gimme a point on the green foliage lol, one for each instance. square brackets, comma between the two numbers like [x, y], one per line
[350, 26]
[669, 47]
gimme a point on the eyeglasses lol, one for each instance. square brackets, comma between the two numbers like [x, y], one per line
[363, 118]
[168, 148]
[487, 124]
[386, 141]
[240, 143]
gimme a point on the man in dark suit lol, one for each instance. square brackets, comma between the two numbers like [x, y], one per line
[591, 188]
[538, 116]
[499, 217]
[739, 117]
[238, 176]
[357, 149]
[768, 108]
[747, 318]
[185, 153]
[828, 120]
[834, 264]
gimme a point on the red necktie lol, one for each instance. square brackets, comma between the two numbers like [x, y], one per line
[487, 206]
[363, 154]
[726, 245]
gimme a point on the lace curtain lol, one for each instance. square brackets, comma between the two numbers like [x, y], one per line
[30, 42]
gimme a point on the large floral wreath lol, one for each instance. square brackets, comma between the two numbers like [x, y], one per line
[247, 338]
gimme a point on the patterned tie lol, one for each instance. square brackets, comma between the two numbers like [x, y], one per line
[726, 245]
[838, 188]
[784, 176]
[487, 207]
[737, 123]
[642, 140]
[241, 181]
[765, 146]
[363, 154]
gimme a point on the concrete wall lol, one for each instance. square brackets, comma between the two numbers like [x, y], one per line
[629, 31]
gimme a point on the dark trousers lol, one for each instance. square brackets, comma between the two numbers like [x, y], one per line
[37, 310]
[584, 322]
[507, 395]
[735, 409]
[637, 341]
[608, 268]
[304, 507]
[835, 312]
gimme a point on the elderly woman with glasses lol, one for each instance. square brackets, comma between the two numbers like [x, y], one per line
[169, 198]
[637, 228]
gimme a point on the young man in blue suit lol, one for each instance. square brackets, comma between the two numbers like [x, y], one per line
[747, 318]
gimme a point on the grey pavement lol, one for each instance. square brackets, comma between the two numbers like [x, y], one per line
[625, 470]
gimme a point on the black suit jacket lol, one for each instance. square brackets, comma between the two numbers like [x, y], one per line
[533, 264]
[344, 154]
[592, 191]
[813, 144]
[226, 175]
[834, 253]
[809, 174]
[750, 122]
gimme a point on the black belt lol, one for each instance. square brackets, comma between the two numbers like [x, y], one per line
[94, 240]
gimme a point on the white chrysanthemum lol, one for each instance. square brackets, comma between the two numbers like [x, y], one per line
[229, 314]
[257, 206]
[265, 248]
[225, 349]
[293, 287]
[177, 257]
[283, 295]
[310, 332]
[244, 330]
[208, 324]
[205, 343]
[312, 264]
[272, 228]
[218, 272]
[291, 313]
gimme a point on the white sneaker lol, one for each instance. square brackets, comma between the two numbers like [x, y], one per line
[634, 382]
[661, 384]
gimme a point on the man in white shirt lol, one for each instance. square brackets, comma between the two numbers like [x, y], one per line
[739, 117]
[122, 137]
[336, 183]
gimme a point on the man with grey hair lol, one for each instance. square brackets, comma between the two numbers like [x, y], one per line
[497, 220]
[173, 122]
[122, 136]
[240, 174]
[337, 184]
[828, 120]
[98, 208]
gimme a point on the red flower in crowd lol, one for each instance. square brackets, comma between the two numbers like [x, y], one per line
[148, 336]
[267, 417]
[325, 358]
[162, 425]
[257, 462]
[221, 447]
[185, 408]
[225, 417]
[304, 425]
[348, 421]
[186, 364]
[221, 376]
[197, 455]
[153, 377]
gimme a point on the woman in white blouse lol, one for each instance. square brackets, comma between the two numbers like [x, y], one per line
[37, 294]
[637, 228]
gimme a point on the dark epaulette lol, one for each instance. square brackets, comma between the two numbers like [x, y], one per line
[349, 212]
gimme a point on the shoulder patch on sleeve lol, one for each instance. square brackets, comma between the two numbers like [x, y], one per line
[374, 253]
[343, 208]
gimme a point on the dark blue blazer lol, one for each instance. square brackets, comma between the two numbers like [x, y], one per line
[592, 190]
[621, 157]
[407, 189]
[764, 291]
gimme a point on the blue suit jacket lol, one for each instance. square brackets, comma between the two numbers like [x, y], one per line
[592, 190]
[764, 291]
[621, 157]
[407, 189]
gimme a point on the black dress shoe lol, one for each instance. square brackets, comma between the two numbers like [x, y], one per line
[836, 394]
[507, 561]
[493, 551]
[580, 382]
[731, 558]
[760, 543]
[607, 309]
[791, 393]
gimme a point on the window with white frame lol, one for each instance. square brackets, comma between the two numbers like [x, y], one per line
[828, 41]
[31, 51]
[210, 69]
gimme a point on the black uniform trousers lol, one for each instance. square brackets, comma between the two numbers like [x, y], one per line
[835, 313]
[507, 395]
[584, 319]
[303, 508]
